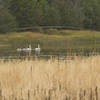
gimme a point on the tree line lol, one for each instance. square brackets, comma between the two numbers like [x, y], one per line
[29, 13]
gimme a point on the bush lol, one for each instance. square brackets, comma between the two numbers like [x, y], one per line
[50, 31]
[38, 29]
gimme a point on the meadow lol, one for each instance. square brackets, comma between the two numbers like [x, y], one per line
[77, 79]
[51, 40]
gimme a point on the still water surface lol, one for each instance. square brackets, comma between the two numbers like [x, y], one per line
[8, 53]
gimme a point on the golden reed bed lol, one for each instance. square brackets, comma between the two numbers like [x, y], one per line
[77, 79]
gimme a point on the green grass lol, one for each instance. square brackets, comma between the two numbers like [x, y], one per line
[59, 40]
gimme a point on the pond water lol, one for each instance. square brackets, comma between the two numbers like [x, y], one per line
[8, 53]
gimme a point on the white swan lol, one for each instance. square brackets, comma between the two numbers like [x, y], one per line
[25, 49]
[19, 49]
[29, 49]
[38, 49]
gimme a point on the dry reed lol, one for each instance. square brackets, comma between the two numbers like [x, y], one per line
[77, 79]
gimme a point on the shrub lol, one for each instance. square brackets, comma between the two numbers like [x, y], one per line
[38, 29]
[50, 31]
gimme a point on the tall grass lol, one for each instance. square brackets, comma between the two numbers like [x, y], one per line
[77, 79]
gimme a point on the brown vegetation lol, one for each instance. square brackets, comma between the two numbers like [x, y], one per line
[77, 79]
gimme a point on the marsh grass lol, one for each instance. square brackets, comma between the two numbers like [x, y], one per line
[77, 79]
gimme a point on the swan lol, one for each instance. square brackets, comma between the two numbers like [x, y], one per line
[25, 49]
[38, 49]
[29, 49]
[19, 49]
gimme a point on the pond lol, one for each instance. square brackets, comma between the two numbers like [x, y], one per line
[8, 53]
[79, 43]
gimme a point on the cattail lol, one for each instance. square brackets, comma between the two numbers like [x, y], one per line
[91, 96]
[96, 92]
[0, 92]
[28, 95]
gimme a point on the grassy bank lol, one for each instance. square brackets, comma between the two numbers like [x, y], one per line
[77, 79]
[51, 40]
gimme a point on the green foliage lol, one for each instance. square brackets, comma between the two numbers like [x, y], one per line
[51, 31]
[91, 10]
[69, 13]
[7, 21]
[38, 29]
[25, 12]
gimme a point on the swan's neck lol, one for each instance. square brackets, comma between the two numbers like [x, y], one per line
[38, 46]
[29, 46]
